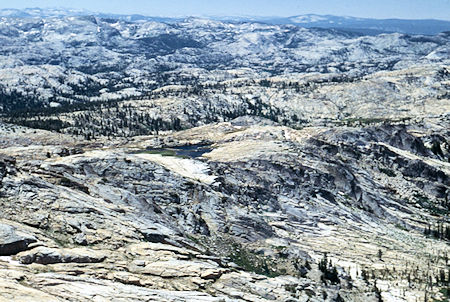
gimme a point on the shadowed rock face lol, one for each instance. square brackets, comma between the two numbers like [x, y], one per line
[6, 166]
[43, 255]
[12, 242]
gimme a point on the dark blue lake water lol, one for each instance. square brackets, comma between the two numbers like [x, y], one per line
[193, 151]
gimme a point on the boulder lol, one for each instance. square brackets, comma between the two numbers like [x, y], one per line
[45, 255]
[13, 242]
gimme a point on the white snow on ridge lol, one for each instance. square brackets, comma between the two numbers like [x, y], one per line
[189, 168]
[307, 19]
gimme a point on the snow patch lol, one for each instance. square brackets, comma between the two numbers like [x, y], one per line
[188, 168]
[307, 19]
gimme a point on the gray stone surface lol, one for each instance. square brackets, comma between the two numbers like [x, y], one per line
[44, 255]
[13, 242]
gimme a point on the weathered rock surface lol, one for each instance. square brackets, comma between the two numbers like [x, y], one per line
[13, 242]
[278, 200]
[303, 173]
[44, 255]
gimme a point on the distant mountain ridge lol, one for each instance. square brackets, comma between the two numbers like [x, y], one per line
[365, 26]
[368, 26]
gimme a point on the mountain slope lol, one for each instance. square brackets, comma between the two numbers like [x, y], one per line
[367, 26]
[248, 218]
[63, 60]
[352, 24]
[204, 160]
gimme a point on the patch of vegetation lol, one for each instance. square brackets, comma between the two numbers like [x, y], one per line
[302, 269]
[51, 124]
[421, 199]
[377, 292]
[251, 262]
[439, 231]
[329, 272]
[446, 292]
[64, 181]
[162, 152]
[401, 227]
[62, 240]
[195, 240]
[436, 208]
[292, 288]
[371, 121]
[388, 172]
[365, 121]
[436, 149]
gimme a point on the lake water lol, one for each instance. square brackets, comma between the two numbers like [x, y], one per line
[193, 151]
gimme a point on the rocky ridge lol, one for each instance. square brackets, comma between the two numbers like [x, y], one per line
[271, 202]
[202, 160]
[55, 61]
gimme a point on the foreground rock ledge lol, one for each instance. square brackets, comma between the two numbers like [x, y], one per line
[13, 242]
[44, 255]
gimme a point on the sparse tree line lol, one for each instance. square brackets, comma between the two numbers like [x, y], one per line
[439, 230]
[329, 271]
[92, 119]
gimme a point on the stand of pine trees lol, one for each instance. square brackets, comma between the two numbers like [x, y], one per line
[439, 231]
[329, 272]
